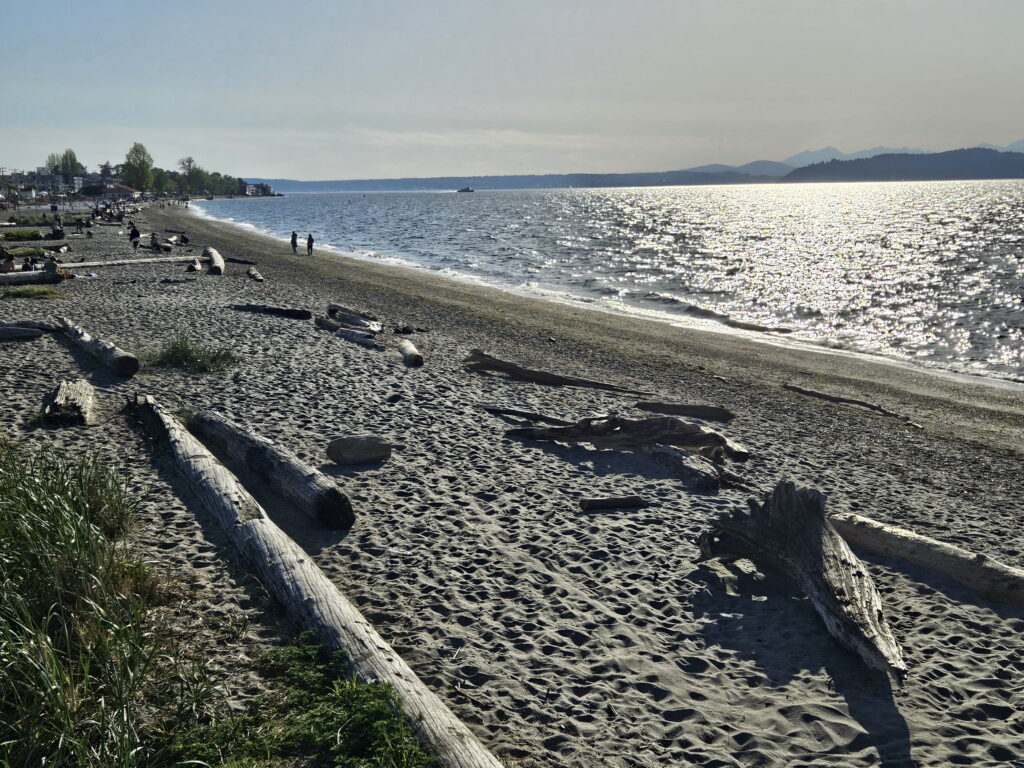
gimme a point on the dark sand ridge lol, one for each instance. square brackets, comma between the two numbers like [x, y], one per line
[569, 639]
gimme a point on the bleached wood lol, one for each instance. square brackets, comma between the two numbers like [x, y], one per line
[790, 533]
[478, 360]
[254, 274]
[128, 262]
[302, 588]
[71, 403]
[993, 579]
[362, 338]
[410, 354]
[308, 488]
[120, 362]
[353, 319]
[216, 261]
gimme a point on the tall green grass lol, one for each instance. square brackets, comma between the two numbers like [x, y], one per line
[181, 352]
[21, 234]
[33, 292]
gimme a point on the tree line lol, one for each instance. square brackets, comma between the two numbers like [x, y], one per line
[137, 171]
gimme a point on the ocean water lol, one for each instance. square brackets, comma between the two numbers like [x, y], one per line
[927, 272]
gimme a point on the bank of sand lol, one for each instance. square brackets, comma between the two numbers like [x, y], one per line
[564, 638]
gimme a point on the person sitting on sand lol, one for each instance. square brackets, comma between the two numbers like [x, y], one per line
[50, 265]
[135, 237]
[27, 265]
[8, 265]
[309, 244]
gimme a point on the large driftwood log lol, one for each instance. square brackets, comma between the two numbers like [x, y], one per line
[362, 338]
[617, 432]
[478, 360]
[790, 533]
[116, 359]
[127, 262]
[267, 309]
[307, 487]
[30, 278]
[71, 403]
[706, 412]
[215, 259]
[303, 589]
[991, 578]
[353, 319]
[410, 354]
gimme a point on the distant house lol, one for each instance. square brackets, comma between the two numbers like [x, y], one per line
[122, 192]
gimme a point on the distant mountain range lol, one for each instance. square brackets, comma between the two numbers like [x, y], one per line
[986, 161]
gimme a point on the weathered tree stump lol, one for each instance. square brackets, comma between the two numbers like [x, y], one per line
[992, 579]
[478, 360]
[305, 486]
[71, 403]
[790, 533]
[358, 449]
[215, 259]
[116, 359]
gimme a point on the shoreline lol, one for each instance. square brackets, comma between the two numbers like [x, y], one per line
[970, 407]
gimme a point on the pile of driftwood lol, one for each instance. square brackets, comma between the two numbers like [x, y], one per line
[364, 329]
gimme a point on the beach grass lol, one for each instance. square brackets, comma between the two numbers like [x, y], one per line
[21, 234]
[27, 250]
[33, 292]
[180, 351]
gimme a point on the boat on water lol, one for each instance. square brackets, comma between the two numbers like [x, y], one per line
[466, 189]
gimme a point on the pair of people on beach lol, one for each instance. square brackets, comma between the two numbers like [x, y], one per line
[295, 243]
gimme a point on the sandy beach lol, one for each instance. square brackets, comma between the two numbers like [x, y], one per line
[566, 638]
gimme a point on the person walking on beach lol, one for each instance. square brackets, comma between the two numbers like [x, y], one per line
[135, 238]
[309, 244]
[295, 243]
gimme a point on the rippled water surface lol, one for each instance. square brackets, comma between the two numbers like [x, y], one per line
[930, 272]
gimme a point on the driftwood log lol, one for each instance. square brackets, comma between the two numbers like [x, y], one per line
[116, 359]
[621, 502]
[255, 275]
[30, 278]
[303, 589]
[215, 259]
[358, 449]
[790, 533]
[195, 266]
[267, 309]
[478, 360]
[363, 338]
[410, 354]
[992, 579]
[353, 319]
[617, 432]
[71, 403]
[128, 262]
[706, 412]
[845, 401]
[307, 487]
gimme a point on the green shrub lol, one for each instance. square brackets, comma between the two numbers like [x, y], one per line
[33, 252]
[21, 234]
[181, 352]
[33, 292]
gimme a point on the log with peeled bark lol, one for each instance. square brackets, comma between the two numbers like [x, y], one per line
[410, 354]
[268, 309]
[353, 319]
[617, 432]
[30, 278]
[992, 579]
[71, 403]
[216, 261]
[478, 360]
[306, 592]
[307, 487]
[790, 533]
[620, 502]
[706, 412]
[116, 359]
[255, 275]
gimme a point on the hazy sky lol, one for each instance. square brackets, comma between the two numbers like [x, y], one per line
[335, 89]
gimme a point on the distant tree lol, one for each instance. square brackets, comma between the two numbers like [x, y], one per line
[138, 168]
[161, 181]
[190, 173]
[106, 171]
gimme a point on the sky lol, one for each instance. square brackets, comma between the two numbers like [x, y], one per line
[344, 89]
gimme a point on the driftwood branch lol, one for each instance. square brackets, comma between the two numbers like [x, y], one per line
[307, 487]
[120, 362]
[790, 533]
[707, 412]
[848, 401]
[267, 309]
[254, 274]
[480, 361]
[991, 578]
[303, 589]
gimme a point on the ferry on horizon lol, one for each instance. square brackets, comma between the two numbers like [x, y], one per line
[466, 189]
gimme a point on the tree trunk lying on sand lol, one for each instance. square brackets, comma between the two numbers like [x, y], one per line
[303, 589]
[790, 533]
[623, 502]
[352, 319]
[991, 578]
[268, 309]
[617, 432]
[30, 278]
[255, 275]
[706, 412]
[410, 354]
[71, 403]
[362, 338]
[216, 261]
[846, 401]
[307, 487]
[128, 262]
[478, 360]
[358, 449]
[116, 359]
